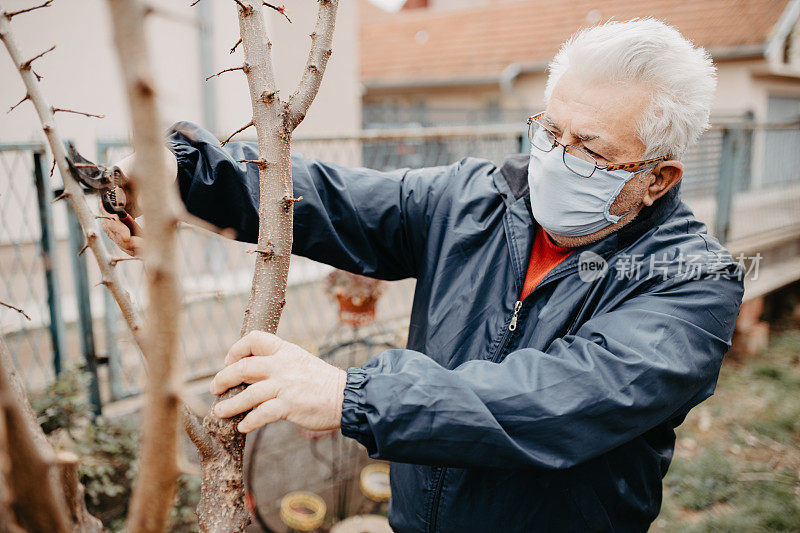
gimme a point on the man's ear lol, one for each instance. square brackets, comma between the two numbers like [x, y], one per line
[665, 176]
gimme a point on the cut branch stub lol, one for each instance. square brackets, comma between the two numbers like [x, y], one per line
[262, 163]
[288, 201]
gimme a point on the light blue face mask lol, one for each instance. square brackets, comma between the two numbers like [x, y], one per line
[570, 205]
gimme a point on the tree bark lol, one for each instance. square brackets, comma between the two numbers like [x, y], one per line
[154, 489]
[222, 505]
[36, 500]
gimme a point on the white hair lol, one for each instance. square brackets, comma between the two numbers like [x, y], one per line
[682, 77]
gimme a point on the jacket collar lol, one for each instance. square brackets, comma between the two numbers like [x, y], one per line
[511, 180]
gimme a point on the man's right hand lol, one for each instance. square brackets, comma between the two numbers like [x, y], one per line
[111, 224]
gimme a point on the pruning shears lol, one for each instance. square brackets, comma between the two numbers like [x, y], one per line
[105, 181]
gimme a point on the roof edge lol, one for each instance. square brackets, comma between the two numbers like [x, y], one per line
[728, 53]
[782, 27]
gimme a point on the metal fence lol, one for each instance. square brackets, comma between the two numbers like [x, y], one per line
[741, 178]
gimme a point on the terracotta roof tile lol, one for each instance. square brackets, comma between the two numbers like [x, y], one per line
[479, 42]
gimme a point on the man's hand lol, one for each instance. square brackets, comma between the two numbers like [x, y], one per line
[111, 224]
[119, 232]
[287, 383]
[126, 194]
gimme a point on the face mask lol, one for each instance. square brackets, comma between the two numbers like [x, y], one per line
[567, 204]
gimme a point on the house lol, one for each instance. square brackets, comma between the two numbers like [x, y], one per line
[466, 61]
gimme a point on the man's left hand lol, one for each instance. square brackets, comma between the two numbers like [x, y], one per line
[286, 383]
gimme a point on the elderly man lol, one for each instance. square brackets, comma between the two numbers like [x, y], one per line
[558, 335]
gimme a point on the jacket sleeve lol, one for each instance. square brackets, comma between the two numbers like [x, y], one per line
[364, 221]
[623, 372]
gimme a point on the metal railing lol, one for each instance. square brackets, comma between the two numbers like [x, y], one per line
[741, 179]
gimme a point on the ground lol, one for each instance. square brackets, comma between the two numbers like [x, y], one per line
[737, 459]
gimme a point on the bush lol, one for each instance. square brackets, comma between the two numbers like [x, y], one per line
[107, 451]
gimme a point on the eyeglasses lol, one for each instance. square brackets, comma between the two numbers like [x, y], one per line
[581, 162]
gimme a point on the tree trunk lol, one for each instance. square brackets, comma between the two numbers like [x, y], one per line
[154, 490]
[222, 506]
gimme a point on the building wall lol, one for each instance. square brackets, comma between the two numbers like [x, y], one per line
[81, 73]
[743, 87]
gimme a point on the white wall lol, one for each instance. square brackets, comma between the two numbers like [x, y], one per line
[81, 73]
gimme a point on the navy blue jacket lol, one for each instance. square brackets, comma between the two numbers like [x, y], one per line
[562, 424]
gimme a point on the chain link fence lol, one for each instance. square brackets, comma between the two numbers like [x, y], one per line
[741, 179]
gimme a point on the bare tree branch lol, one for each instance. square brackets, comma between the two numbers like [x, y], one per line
[10, 15]
[27, 64]
[232, 135]
[236, 44]
[245, 9]
[321, 40]
[114, 261]
[243, 68]
[74, 494]
[13, 107]
[72, 189]
[221, 505]
[280, 9]
[262, 163]
[62, 110]
[193, 425]
[37, 501]
[155, 485]
[17, 309]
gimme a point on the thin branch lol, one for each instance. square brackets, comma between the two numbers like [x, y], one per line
[280, 9]
[194, 3]
[72, 189]
[155, 484]
[13, 107]
[115, 260]
[17, 309]
[240, 130]
[38, 76]
[321, 41]
[235, 45]
[52, 168]
[63, 110]
[262, 163]
[37, 501]
[246, 10]
[61, 196]
[11, 14]
[244, 68]
[193, 425]
[27, 64]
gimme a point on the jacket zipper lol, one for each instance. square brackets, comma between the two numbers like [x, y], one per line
[512, 326]
[435, 503]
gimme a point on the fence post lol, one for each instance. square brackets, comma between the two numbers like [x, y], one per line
[81, 277]
[44, 196]
[730, 167]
